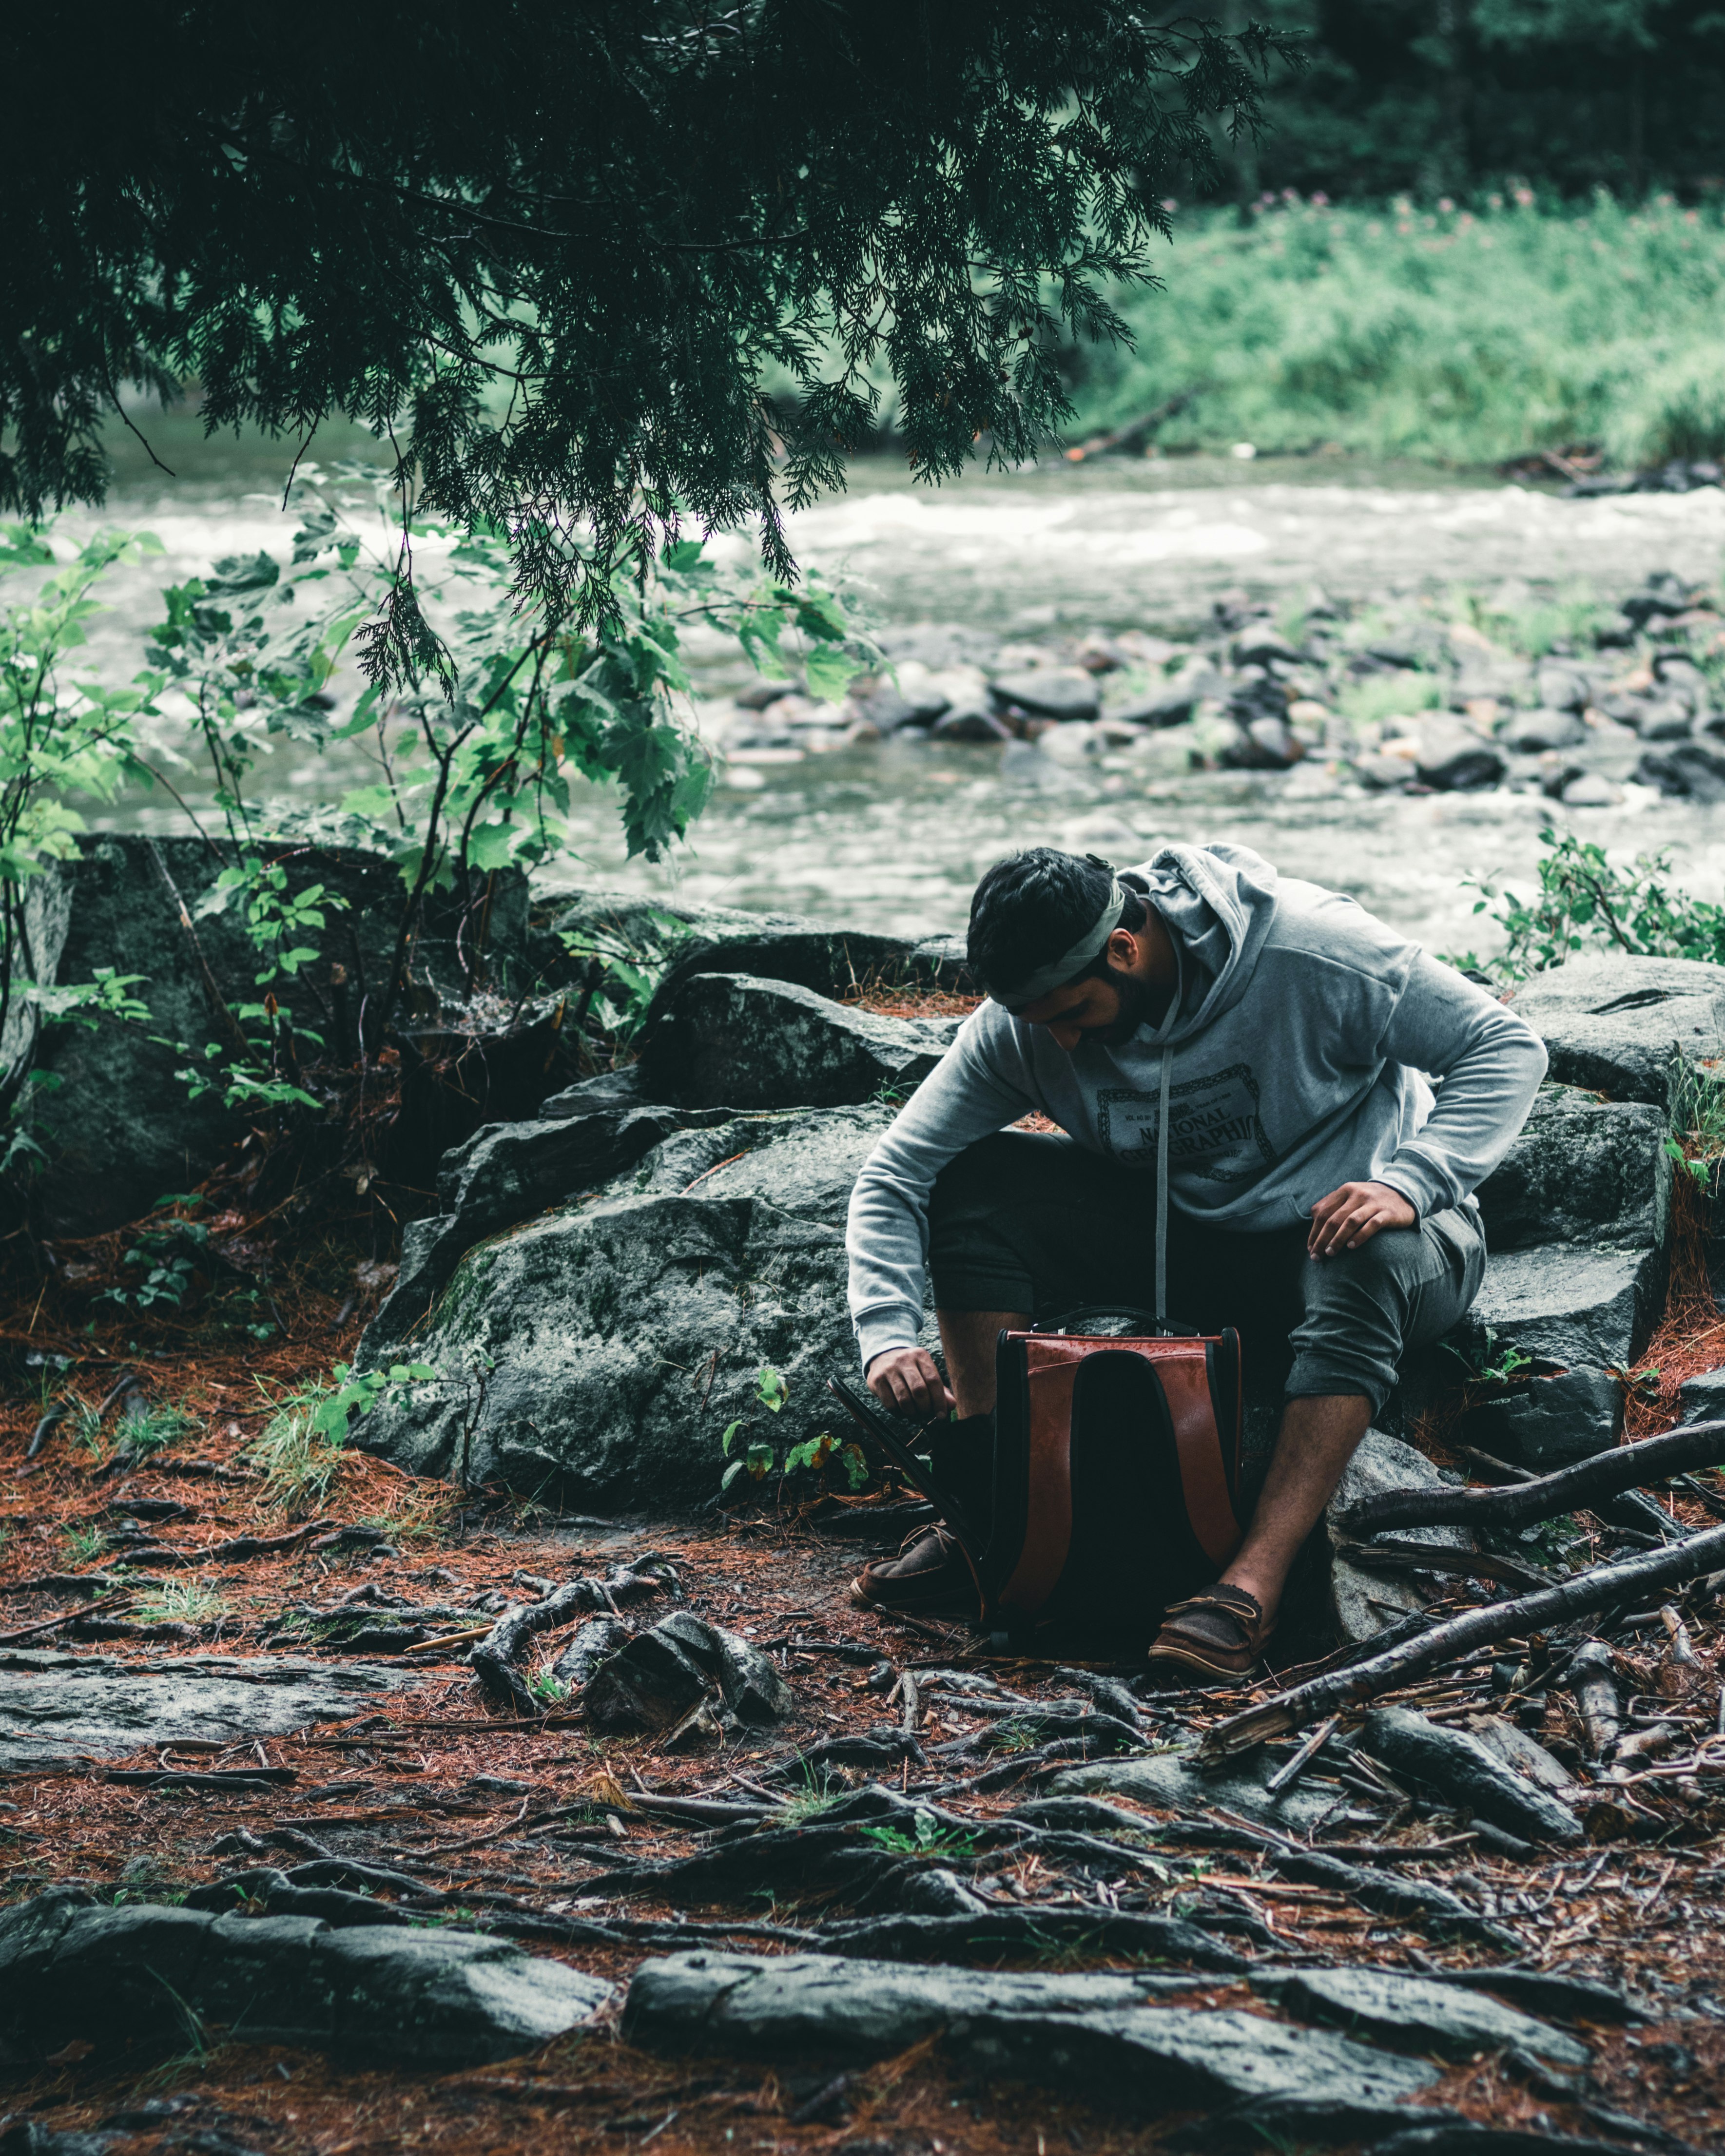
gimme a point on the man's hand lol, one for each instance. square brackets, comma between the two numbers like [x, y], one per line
[905, 1379]
[1352, 1215]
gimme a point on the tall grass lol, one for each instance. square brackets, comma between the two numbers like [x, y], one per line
[1467, 336]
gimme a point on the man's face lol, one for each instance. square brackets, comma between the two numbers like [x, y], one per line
[1106, 1009]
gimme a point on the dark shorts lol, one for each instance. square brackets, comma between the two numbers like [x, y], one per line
[1029, 1221]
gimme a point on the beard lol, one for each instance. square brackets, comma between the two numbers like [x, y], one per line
[1138, 1008]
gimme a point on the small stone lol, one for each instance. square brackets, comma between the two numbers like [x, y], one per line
[1258, 645]
[1666, 719]
[1533, 732]
[1691, 772]
[760, 693]
[974, 725]
[1050, 692]
[1702, 1399]
[1589, 789]
[1462, 1769]
[1562, 688]
[1456, 760]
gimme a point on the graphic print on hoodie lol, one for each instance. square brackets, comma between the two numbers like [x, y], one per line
[1299, 1036]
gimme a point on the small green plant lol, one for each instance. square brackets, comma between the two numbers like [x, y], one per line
[811, 1457]
[182, 1602]
[1585, 898]
[1491, 1365]
[1695, 1105]
[301, 1448]
[815, 1797]
[155, 1428]
[169, 1251]
[84, 1545]
[551, 1689]
[929, 1838]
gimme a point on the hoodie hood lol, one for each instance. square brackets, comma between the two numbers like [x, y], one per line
[1218, 903]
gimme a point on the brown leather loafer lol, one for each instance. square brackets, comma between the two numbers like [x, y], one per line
[1218, 1636]
[929, 1573]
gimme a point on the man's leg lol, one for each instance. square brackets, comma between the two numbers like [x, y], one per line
[968, 1338]
[1362, 1309]
[1315, 1442]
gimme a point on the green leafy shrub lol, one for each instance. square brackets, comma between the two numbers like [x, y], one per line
[1585, 900]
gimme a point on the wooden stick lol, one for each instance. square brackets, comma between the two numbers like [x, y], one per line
[1606, 1475]
[1464, 1635]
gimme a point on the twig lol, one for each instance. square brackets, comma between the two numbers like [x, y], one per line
[1303, 1757]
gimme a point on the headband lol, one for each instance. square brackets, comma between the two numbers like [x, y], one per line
[1069, 964]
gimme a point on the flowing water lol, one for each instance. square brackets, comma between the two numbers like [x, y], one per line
[893, 836]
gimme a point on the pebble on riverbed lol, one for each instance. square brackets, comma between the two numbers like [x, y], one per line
[1349, 700]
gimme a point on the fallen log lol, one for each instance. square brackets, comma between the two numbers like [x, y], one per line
[1570, 1489]
[1577, 1596]
[492, 1659]
[1433, 1556]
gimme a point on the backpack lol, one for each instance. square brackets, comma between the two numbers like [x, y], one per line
[1116, 1484]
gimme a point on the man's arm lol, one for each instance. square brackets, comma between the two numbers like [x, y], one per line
[979, 1085]
[1491, 1062]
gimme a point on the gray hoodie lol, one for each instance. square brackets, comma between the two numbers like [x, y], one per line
[1297, 1036]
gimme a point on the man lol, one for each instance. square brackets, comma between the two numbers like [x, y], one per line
[1321, 1199]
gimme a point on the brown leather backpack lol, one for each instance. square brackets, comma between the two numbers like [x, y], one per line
[1116, 1479]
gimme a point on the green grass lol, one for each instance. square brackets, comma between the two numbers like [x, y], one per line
[298, 1462]
[182, 1602]
[1465, 336]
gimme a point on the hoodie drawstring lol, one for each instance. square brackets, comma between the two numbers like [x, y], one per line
[1162, 1196]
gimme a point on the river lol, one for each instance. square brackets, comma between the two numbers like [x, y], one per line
[893, 836]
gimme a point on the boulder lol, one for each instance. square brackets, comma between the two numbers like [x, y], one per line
[1613, 1023]
[734, 1041]
[603, 1348]
[1363, 1602]
[1547, 1423]
[1466, 1772]
[57, 1709]
[1172, 1782]
[1564, 1304]
[71, 1970]
[1590, 789]
[1048, 692]
[1562, 689]
[1414, 2013]
[510, 1171]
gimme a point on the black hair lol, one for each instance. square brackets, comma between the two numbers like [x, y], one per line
[1033, 906]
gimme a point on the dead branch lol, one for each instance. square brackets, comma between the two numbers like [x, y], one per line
[1463, 1636]
[1606, 1475]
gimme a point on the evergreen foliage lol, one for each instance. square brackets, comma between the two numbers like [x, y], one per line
[548, 246]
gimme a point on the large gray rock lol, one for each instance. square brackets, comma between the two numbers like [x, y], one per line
[71, 1970]
[1565, 1304]
[1150, 2060]
[57, 1708]
[1413, 2012]
[1090, 2033]
[1170, 1781]
[1546, 1422]
[1612, 1022]
[124, 1130]
[510, 1171]
[1581, 1171]
[836, 2004]
[684, 940]
[603, 1348]
[1468, 1773]
[1363, 1602]
[734, 1041]
[1702, 1399]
